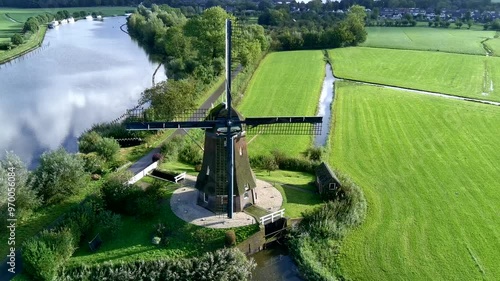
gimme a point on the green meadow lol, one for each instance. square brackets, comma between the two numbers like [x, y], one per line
[452, 40]
[454, 74]
[285, 84]
[428, 167]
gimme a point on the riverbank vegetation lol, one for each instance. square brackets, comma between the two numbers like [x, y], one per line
[430, 71]
[427, 168]
[315, 242]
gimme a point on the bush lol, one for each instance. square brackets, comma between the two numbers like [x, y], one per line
[5, 46]
[170, 149]
[190, 154]
[107, 148]
[27, 199]
[17, 39]
[119, 196]
[230, 238]
[88, 141]
[94, 164]
[59, 175]
[222, 265]
[44, 255]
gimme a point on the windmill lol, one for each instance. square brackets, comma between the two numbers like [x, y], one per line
[226, 181]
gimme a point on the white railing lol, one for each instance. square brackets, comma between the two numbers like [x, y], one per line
[272, 217]
[143, 173]
[179, 177]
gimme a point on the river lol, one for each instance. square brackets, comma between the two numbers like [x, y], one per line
[84, 73]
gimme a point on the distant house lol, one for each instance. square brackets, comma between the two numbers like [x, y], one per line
[327, 182]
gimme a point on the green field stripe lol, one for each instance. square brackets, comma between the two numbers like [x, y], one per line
[285, 84]
[454, 74]
[427, 167]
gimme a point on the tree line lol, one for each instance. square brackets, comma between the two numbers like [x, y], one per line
[313, 31]
[193, 50]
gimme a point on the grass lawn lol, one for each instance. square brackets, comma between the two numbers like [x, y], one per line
[428, 39]
[494, 45]
[284, 84]
[8, 27]
[429, 169]
[455, 74]
[295, 202]
[135, 241]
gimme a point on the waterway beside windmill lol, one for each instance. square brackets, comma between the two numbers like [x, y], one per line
[325, 105]
[85, 73]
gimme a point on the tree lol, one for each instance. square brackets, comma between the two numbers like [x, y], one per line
[14, 171]
[17, 39]
[59, 175]
[208, 32]
[169, 98]
[356, 23]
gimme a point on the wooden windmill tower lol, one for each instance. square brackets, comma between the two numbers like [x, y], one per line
[226, 181]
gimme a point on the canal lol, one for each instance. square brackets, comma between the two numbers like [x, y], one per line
[84, 73]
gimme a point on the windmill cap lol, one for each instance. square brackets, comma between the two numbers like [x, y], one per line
[220, 112]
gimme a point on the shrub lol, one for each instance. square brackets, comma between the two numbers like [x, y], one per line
[190, 154]
[107, 148]
[94, 164]
[27, 199]
[314, 153]
[222, 265]
[17, 39]
[59, 175]
[119, 196]
[44, 255]
[88, 141]
[170, 149]
[5, 46]
[230, 238]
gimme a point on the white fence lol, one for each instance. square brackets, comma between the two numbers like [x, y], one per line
[143, 173]
[272, 217]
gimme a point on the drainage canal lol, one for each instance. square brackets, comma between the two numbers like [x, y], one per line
[325, 106]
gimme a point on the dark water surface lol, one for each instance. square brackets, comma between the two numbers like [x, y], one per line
[274, 264]
[86, 72]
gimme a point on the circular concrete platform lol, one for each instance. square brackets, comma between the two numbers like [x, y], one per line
[183, 204]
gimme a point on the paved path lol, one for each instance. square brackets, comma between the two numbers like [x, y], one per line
[183, 204]
[146, 160]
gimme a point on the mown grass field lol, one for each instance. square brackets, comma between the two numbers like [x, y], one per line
[285, 84]
[455, 74]
[429, 169]
[428, 39]
[494, 45]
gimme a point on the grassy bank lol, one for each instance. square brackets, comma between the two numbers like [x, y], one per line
[427, 166]
[284, 84]
[452, 40]
[454, 74]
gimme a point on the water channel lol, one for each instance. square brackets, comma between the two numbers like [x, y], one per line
[325, 105]
[84, 73]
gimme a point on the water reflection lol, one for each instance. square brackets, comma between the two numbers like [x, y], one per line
[87, 72]
[325, 106]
